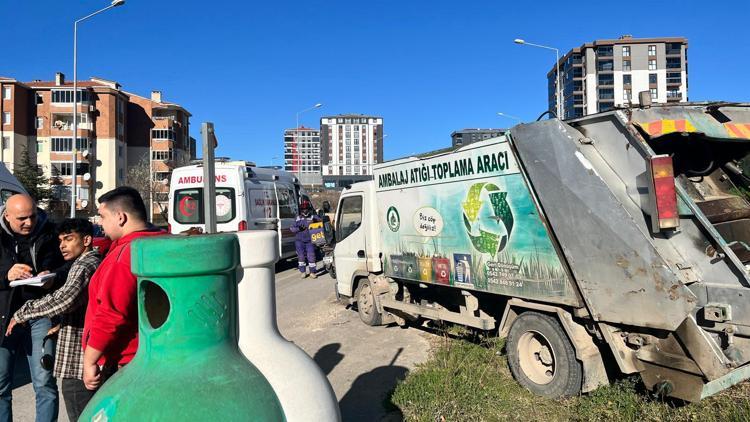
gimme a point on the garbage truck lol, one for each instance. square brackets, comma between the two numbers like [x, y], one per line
[614, 242]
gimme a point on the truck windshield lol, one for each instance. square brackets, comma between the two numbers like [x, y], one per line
[188, 205]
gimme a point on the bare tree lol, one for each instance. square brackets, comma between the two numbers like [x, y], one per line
[153, 188]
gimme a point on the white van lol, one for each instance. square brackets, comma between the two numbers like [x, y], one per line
[9, 185]
[247, 198]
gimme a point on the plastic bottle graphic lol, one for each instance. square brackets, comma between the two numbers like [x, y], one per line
[188, 365]
[460, 265]
[466, 270]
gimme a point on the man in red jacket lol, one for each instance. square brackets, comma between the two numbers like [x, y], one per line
[110, 331]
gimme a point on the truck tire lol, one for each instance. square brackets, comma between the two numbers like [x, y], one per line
[368, 311]
[541, 357]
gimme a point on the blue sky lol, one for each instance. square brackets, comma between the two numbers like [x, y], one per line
[427, 67]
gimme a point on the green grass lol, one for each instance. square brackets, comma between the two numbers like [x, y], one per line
[467, 379]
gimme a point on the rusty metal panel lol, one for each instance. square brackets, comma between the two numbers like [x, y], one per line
[730, 123]
[621, 276]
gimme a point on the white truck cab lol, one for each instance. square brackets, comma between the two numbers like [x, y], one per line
[357, 252]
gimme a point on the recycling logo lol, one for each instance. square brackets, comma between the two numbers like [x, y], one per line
[393, 219]
[487, 241]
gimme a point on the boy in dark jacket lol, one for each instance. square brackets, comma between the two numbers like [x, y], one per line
[303, 242]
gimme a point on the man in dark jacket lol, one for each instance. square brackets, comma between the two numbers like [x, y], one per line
[28, 246]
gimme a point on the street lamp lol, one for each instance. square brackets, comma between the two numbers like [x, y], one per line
[559, 110]
[510, 116]
[114, 3]
[296, 139]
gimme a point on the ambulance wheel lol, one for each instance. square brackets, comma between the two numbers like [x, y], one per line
[541, 357]
[368, 311]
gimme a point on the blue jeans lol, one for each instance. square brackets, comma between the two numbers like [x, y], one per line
[28, 340]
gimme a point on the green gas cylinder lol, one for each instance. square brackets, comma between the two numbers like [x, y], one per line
[188, 366]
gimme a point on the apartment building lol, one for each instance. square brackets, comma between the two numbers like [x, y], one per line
[468, 136]
[606, 74]
[302, 154]
[350, 145]
[115, 130]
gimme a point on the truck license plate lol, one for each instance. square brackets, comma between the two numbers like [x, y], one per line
[328, 260]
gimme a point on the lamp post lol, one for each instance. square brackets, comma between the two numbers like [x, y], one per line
[510, 116]
[558, 96]
[113, 4]
[296, 139]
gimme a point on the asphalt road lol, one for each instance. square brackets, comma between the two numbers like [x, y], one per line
[362, 363]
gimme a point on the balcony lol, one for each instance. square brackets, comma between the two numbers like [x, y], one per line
[674, 96]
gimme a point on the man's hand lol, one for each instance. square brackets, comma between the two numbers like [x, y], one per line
[11, 325]
[19, 272]
[92, 376]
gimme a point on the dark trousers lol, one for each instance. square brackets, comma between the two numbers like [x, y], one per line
[305, 250]
[76, 397]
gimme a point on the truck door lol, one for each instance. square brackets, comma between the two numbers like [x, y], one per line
[350, 254]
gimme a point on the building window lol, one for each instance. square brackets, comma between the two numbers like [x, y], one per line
[39, 98]
[673, 93]
[66, 169]
[5, 144]
[626, 51]
[627, 95]
[162, 155]
[39, 146]
[606, 79]
[604, 50]
[674, 78]
[607, 94]
[40, 122]
[652, 64]
[627, 79]
[162, 134]
[652, 78]
[674, 63]
[651, 50]
[62, 145]
[119, 151]
[121, 174]
[66, 144]
[6, 117]
[654, 93]
[66, 96]
[605, 65]
[626, 65]
[6, 93]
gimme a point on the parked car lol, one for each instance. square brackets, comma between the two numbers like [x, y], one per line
[101, 241]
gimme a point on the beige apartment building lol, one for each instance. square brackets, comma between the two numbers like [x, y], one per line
[116, 130]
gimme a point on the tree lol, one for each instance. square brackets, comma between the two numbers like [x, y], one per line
[32, 178]
[140, 179]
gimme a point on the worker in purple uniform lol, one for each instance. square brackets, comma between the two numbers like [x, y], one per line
[302, 241]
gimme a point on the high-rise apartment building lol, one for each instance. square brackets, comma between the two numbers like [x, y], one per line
[467, 136]
[302, 154]
[350, 145]
[116, 130]
[605, 74]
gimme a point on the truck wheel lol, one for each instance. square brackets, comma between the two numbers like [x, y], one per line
[368, 311]
[542, 358]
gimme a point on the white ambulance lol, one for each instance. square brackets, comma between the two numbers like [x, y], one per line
[248, 197]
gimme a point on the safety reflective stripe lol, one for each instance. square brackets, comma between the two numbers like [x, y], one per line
[738, 130]
[663, 127]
